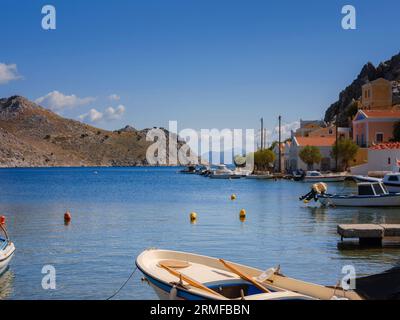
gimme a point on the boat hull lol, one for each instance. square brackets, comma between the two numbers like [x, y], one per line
[5, 257]
[324, 179]
[224, 176]
[387, 200]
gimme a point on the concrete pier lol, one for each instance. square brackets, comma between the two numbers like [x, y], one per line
[368, 234]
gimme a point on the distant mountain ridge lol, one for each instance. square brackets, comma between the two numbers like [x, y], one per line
[32, 136]
[389, 70]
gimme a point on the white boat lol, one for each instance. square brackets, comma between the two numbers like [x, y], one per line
[370, 194]
[243, 172]
[316, 176]
[366, 179]
[222, 172]
[392, 182]
[6, 249]
[179, 275]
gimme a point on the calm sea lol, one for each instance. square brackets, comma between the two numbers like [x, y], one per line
[118, 212]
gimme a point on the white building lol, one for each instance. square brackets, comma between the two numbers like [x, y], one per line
[381, 158]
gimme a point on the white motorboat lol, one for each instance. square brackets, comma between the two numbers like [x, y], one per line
[243, 172]
[370, 194]
[316, 176]
[179, 275]
[392, 182]
[6, 249]
[222, 172]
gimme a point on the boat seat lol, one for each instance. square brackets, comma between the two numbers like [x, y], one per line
[176, 264]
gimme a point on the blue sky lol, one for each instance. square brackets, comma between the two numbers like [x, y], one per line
[208, 64]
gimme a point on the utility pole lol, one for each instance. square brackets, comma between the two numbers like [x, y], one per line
[336, 141]
[279, 147]
[262, 133]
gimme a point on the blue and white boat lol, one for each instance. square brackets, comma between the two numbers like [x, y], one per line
[370, 194]
[185, 276]
[7, 249]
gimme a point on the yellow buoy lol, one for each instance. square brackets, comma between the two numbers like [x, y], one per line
[233, 197]
[193, 216]
[242, 213]
[306, 201]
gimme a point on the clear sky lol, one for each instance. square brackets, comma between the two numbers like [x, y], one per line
[208, 63]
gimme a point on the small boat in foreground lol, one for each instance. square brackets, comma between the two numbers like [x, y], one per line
[369, 194]
[179, 275]
[6, 249]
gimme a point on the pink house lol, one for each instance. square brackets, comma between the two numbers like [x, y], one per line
[374, 126]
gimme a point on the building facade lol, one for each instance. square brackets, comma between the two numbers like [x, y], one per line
[324, 144]
[382, 158]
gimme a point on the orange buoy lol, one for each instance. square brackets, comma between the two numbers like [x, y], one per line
[2, 220]
[67, 217]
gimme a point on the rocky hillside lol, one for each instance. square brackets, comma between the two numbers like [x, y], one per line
[389, 70]
[33, 136]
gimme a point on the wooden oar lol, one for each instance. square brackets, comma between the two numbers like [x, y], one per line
[244, 276]
[189, 280]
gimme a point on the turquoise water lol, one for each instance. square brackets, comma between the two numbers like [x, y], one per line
[118, 212]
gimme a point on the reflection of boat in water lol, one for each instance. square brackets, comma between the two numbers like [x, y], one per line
[180, 275]
[369, 194]
[316, 176]
[6, 249]
[6, 284]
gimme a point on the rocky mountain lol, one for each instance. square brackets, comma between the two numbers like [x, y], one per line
[32, 136]
[389, 70]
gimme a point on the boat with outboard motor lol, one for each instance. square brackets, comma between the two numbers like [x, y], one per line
[6, 249]
[369, 194]
[181, 275]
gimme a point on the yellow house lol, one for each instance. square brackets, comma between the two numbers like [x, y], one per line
[377, 95]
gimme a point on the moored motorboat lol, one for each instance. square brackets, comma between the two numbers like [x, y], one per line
[369, 194]
[392, 182]
[180, 275]
[316, 176]
[6, 249]
[222, 172]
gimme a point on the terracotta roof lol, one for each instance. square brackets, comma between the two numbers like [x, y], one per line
[386, 145]
[316, 141]
[382, 113]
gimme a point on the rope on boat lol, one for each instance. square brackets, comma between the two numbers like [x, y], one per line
[127, 280]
